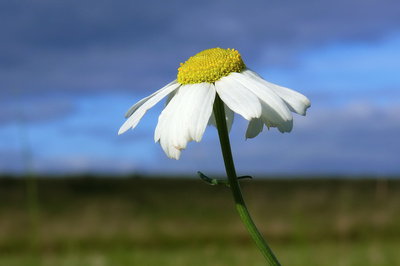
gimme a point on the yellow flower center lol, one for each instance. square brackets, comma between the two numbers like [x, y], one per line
[210, 65]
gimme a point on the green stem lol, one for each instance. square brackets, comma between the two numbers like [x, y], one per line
[219, 113]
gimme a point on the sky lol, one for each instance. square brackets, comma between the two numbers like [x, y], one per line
[69, 70]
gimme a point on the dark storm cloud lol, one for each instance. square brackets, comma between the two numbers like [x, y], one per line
[97, 45]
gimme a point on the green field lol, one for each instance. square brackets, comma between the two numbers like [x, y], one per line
[160, 221]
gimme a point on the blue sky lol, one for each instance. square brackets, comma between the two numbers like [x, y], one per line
[69, 70]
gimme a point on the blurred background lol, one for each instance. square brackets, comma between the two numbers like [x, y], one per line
[69, 70]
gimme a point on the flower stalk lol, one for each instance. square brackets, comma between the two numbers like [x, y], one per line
[234, 185]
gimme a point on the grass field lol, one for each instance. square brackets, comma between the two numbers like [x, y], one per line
[159, 221]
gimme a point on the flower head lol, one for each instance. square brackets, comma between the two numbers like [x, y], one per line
[189, 106]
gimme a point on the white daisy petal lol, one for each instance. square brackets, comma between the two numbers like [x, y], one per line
[296, 101]
[229, 116]
[167, 131]
[201, 109]
[282, 126]
[144, 100]
[238, 98]
[272, 118]
[169, 127]
[256, 126]
[185, 117]
[170, 96]
[274, 109]
[137, 111]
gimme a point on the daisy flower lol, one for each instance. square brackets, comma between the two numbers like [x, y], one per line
[189, 105]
